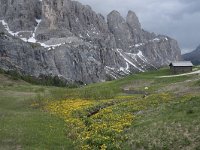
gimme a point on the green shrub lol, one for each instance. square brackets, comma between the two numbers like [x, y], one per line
[41, 80]
[13, 74]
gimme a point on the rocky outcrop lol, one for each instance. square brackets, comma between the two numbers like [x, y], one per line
[194, 56]
[67, 39]
[20, 14]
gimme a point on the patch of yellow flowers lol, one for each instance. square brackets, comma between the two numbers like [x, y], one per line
[103, 129]
[95, 131]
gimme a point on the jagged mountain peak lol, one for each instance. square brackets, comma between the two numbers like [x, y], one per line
[114, 12]
[115, 17]
[133, 20]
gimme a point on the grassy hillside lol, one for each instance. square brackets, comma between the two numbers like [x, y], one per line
[23, 126]
[140, 111]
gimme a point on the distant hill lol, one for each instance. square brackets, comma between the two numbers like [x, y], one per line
[194, 56]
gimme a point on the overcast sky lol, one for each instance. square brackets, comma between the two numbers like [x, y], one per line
[179, 19]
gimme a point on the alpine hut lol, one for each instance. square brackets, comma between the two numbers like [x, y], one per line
[181, 67]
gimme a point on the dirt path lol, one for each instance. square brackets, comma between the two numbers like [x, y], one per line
[195, 72]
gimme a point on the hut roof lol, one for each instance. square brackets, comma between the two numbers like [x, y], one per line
[181, 64]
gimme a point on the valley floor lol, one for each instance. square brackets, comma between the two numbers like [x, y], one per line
[138, 112]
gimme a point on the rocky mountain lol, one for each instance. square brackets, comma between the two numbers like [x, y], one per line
[67, 39]
[194, 56]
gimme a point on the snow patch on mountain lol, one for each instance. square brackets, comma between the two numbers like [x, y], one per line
[120, 51]
[8, 29]
[31, 39]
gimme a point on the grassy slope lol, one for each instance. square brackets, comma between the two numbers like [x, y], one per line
[21, 126]
[137, 82]
[172, 126]
[30, 128]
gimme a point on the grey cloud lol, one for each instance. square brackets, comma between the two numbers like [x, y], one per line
[179, 19]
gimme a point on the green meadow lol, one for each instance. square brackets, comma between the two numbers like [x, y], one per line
[140, 111]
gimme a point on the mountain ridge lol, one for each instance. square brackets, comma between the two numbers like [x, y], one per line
[67, 39]
[193, 56]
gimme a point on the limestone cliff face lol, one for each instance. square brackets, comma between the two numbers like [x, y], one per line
[67, 39]
[20, 14]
